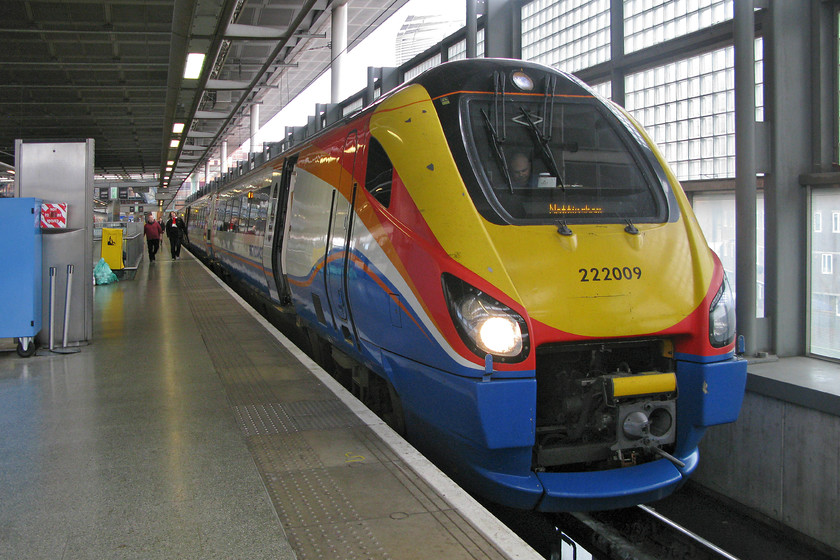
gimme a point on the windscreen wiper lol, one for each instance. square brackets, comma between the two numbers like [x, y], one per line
[497, 148]
[545, 149]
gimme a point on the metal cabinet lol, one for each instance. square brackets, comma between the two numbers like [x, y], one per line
[20, 271]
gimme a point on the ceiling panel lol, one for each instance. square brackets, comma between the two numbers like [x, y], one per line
[112, 70]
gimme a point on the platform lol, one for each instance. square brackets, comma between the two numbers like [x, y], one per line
[191, 428]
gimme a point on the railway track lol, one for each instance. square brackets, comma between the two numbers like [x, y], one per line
[638, 533]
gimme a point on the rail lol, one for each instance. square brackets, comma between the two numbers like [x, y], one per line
[639, 533]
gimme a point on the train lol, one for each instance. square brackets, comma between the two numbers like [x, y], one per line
[501, 264]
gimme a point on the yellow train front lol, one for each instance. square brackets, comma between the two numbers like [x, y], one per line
[560, 335]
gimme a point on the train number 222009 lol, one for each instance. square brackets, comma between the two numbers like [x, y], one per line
[607, 274]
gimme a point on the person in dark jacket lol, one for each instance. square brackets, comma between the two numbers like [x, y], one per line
[152, 231]
[176, 230]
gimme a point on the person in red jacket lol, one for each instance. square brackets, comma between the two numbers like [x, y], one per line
[152, 231]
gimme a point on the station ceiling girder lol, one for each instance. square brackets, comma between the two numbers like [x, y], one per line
[112, 70]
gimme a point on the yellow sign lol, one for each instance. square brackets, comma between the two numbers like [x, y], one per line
[112, 247]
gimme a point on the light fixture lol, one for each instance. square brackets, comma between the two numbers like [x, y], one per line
[174, 143]
[193, 68]
[178, 127]
[522, 80]
[170, 162]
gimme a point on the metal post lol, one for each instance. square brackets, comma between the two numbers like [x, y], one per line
[52, 305]
[223, 166]
[67, 294]
[745, 184]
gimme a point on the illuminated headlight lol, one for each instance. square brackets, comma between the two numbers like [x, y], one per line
[486, 325]
[722, 316]
[522, 80]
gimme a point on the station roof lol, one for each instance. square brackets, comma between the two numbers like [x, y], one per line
[113, 70]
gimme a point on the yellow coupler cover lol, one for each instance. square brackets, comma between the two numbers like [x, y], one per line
[112, 247]
[643, 384]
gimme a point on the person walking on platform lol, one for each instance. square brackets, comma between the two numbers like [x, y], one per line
[152, 230]
[176, 230]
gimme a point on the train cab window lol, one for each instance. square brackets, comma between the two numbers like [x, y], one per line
[380, 173]
[568, 159]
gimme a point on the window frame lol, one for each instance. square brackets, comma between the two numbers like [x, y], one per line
[826, 264]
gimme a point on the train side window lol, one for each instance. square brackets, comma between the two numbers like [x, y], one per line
[245, 214]
[234, 206]
[222, 215]
[380, 173]
[260, 210]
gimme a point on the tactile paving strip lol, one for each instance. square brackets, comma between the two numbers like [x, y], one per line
[347, 541]
[263, 419]
[318, 518]
[321, 415]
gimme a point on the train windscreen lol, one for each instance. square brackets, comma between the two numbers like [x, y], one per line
[559, 158]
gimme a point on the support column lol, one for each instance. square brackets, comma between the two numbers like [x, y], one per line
[472, 29]
[223, 163]
[502, 30]
[788, 66]
[339, 46]
[745, 184]
[617, 51]
[255, 127]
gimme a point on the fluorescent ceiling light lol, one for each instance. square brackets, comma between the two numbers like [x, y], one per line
[174, 143]
[170, 162]
[178, 127]
[194, 63]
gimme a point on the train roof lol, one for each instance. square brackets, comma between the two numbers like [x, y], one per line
[477, 75]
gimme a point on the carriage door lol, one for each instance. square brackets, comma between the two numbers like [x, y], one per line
[337, 257]
[278, 229]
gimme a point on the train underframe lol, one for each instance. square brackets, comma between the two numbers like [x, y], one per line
[584, 424]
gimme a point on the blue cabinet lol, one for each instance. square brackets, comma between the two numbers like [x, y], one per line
[20, 270]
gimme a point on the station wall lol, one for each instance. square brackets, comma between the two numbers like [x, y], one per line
[781, 460]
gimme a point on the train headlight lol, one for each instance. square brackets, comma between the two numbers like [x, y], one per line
[486, 325]
[722, 316]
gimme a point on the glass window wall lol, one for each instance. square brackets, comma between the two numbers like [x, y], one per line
[650, 22]
[566, 34]
[688, 107]
[716, 214]
[825, 284]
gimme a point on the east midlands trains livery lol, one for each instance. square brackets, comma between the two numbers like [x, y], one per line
[503, 264]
